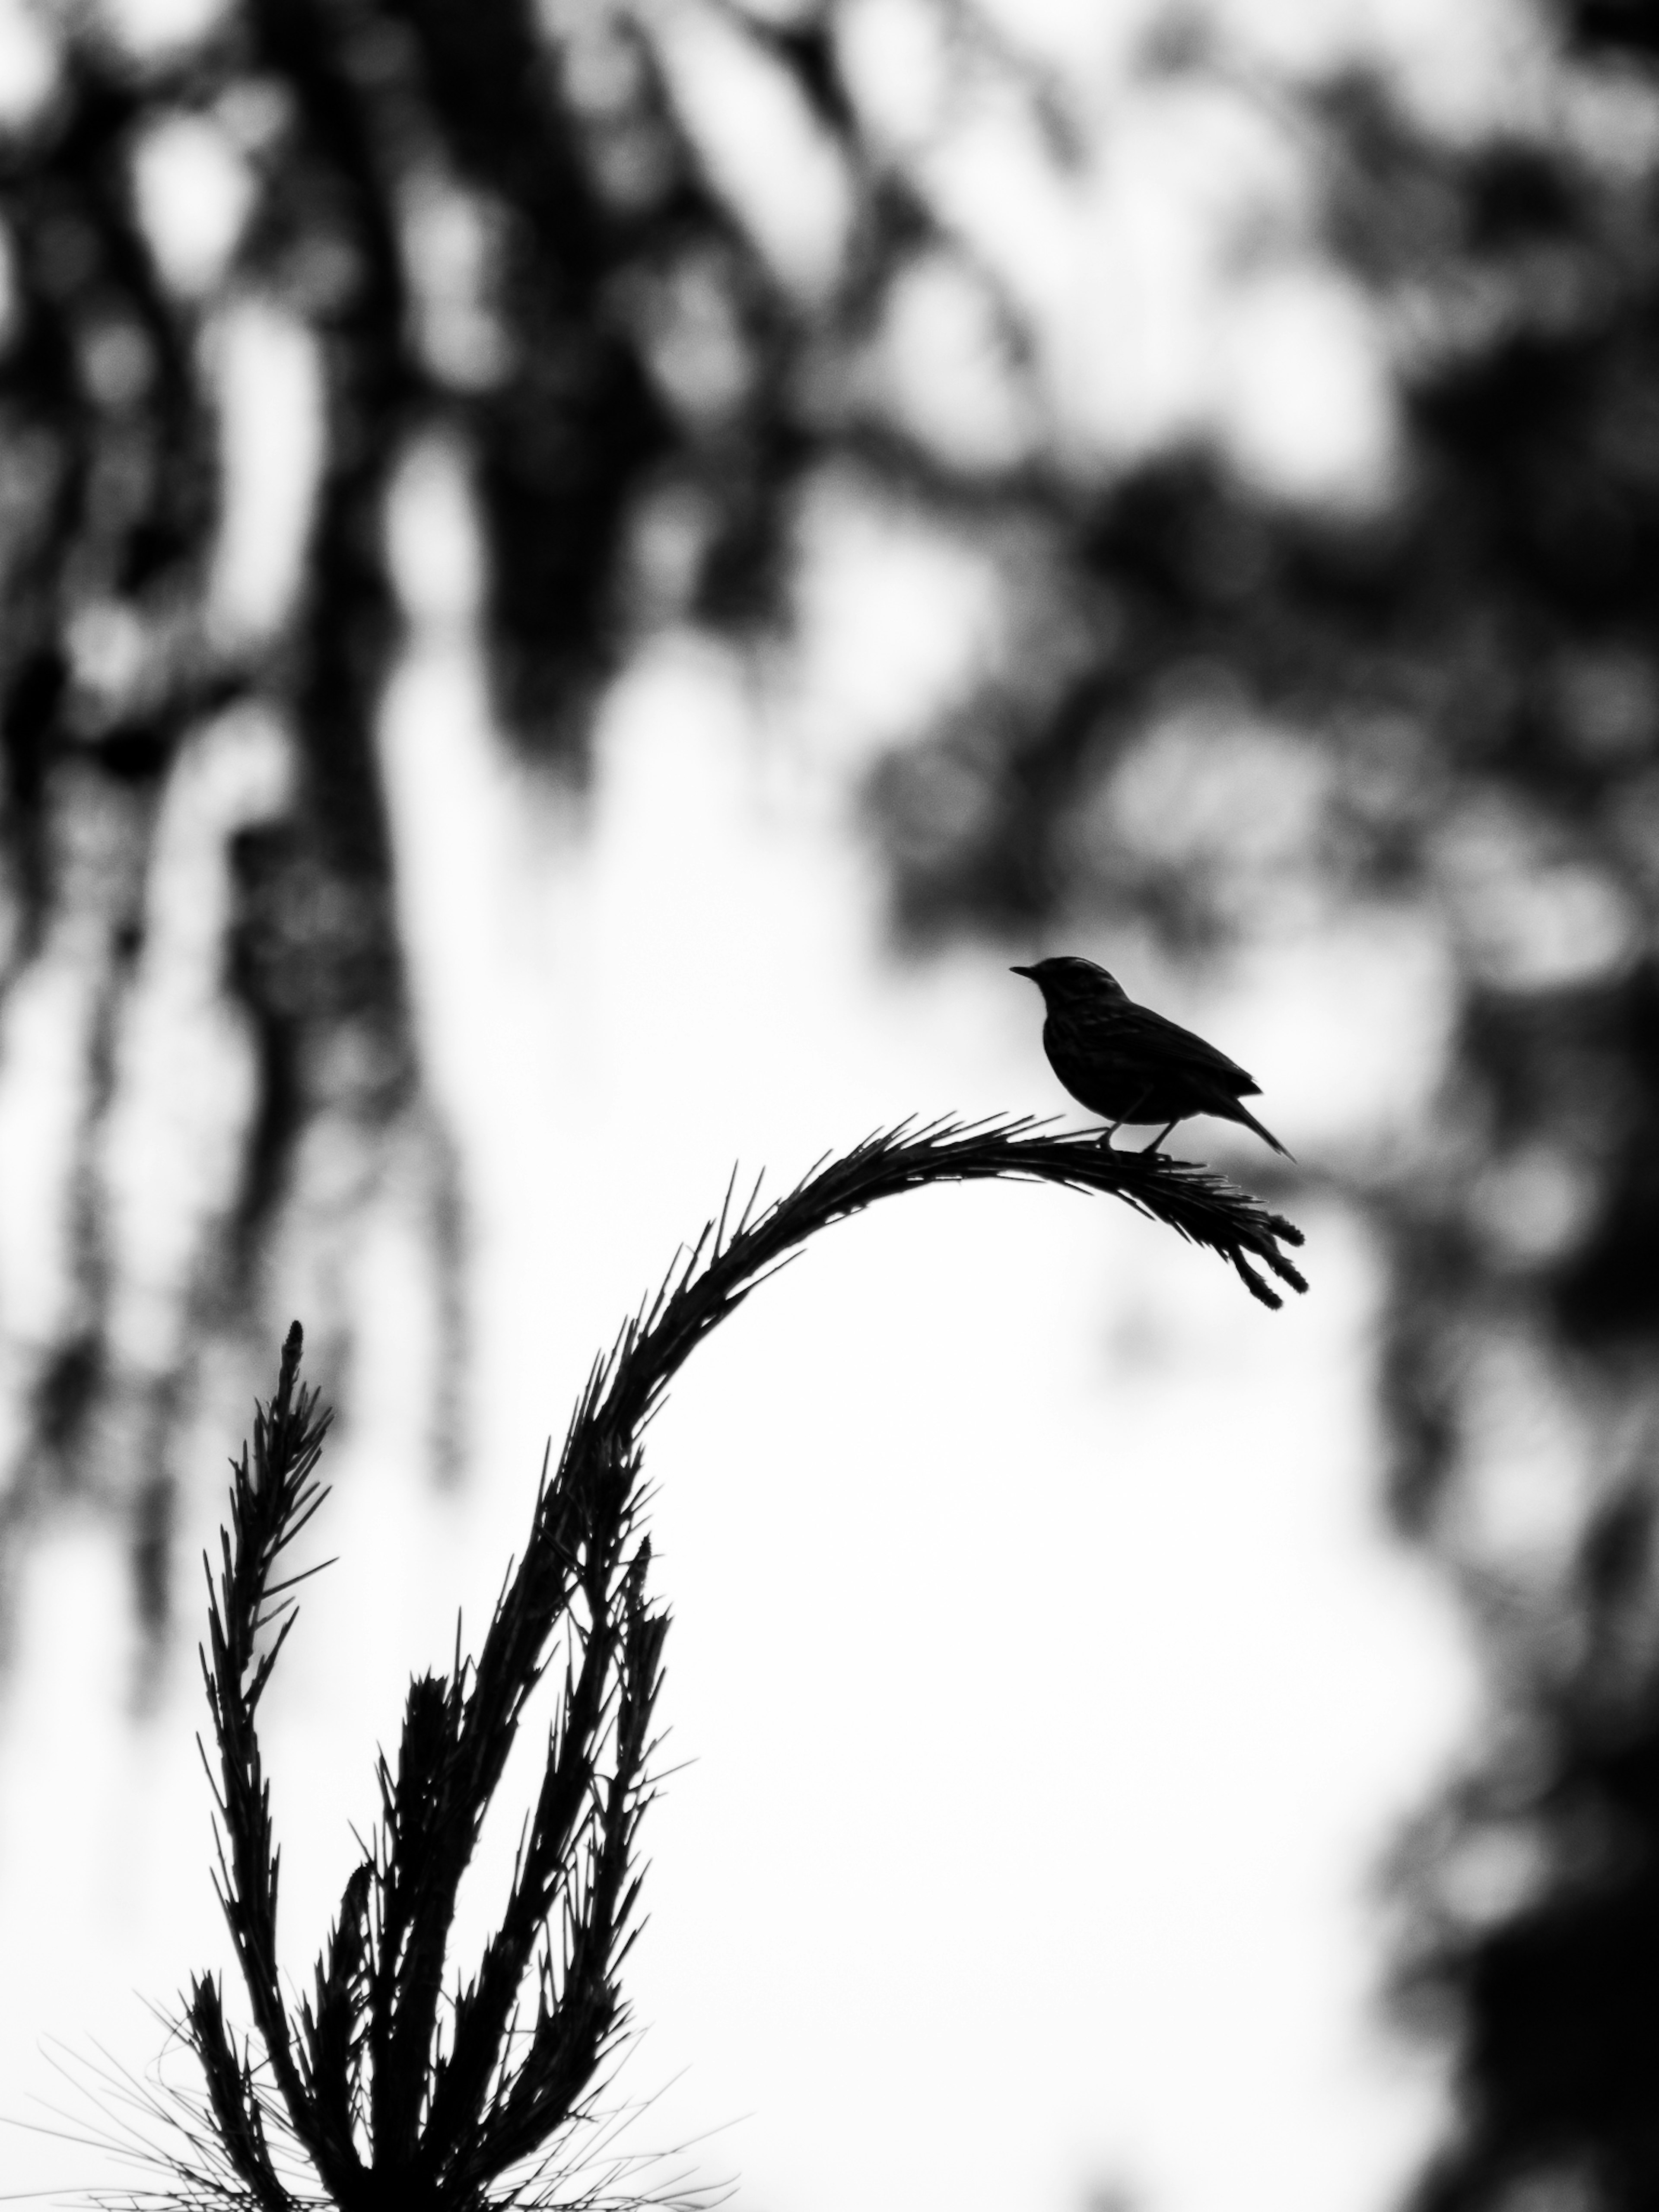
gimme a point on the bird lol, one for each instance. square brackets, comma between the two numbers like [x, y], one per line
[1128, 1064]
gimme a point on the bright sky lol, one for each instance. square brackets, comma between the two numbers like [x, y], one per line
[1046, 1690]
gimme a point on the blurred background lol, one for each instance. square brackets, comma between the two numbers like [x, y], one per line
[580, 576]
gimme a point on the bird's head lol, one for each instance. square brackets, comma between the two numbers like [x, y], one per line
[1064, 980]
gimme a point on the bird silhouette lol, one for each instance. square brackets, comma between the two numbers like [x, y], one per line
[1128, 1064]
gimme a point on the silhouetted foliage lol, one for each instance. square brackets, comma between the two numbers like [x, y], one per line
[383, 2109]
[392, 2099]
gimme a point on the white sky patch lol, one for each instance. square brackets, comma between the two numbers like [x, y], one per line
[107, 645]
[1302, 39]
[995, 183]
[186, 1076]
[150, 29]
[895, 57]
[1306, 404]
[194, 191]
[433, 540]
[1523, 1496]
[1196, 193]
[944, 364]
[458, 817]
[1130, 371]
[764, 150]
[1467, 70]
[1085, 42]
[688, 322]
[451, 244]
[28, 63]
[271, 395]
[896, 615]
[44, 1034]
[1530, 913]
[1353, 1024]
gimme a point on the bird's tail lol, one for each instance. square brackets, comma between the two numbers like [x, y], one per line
[1266, 1135]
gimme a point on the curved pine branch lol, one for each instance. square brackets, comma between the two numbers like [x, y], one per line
[391, 2108]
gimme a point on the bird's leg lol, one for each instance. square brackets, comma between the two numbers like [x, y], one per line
[1158, 1139]
[1107, 1135]
[1107, 1139]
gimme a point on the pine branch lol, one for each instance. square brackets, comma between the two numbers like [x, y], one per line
[271, 1501]
[441, 2127]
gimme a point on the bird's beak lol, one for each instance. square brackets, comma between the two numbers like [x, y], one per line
[1019, 971]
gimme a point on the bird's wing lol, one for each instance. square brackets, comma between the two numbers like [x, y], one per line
[1135, 1028]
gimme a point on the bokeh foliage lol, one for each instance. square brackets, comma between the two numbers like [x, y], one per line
[1459, 694]
[576, 210]
[1463, 693]
[1442, 701]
